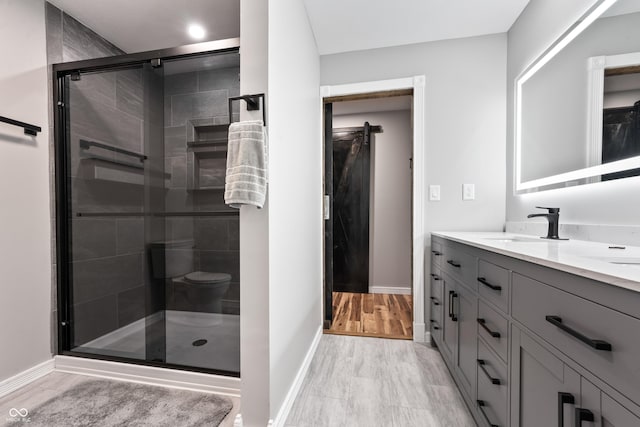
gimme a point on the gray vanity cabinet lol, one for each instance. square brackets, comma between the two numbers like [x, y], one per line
[542, 386]
[529, 345]
[547, 392]
[448, 345]
[465, 309]
[606, 411]
[459, 333]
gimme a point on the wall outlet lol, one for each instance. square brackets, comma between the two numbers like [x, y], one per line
[434, 193]
[468, 191]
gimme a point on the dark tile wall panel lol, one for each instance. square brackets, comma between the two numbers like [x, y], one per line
[100, 277]
[131, 305]
[94, 318]
[80, 42]
[93, 238]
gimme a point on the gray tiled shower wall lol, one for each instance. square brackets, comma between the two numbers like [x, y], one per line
[193, 100]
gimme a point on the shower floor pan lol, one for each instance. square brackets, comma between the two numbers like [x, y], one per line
[186, 333]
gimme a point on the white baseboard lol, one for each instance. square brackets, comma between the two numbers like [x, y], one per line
[151, 375]
[419, 332]
[395, 290]
[427, 337]
[283, 413]
[25, 377]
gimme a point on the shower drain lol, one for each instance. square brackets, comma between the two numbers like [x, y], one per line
[198, 343]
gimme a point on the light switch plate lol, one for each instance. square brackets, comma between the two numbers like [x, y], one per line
[468, 191]
[434, 193]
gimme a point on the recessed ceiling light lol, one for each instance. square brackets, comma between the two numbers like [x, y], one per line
[196, 31]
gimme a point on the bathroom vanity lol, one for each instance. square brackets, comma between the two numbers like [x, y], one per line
[538, 332]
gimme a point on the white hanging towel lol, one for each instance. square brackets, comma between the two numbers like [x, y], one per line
[246, 180]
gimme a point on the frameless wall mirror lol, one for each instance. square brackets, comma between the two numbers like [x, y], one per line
[578, 104]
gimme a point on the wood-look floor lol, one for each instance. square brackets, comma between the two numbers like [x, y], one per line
[375, 315]
[364, 382]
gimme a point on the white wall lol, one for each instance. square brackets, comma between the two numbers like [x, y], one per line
[611, 202]
[25, 235]
[465, 125]
[295, 194]
[254, 236]
[390, 213]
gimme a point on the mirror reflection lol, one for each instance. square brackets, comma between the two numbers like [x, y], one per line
[621, 117]
[582, 108]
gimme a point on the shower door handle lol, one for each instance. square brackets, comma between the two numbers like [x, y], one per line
[327, 207]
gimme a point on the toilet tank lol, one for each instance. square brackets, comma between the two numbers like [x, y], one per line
[171, 258]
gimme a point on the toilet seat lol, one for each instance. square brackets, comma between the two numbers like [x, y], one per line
[205, 277]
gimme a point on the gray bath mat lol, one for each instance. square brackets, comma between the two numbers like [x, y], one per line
[115, 403]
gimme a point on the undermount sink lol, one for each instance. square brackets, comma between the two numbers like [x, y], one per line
[621, 261]
[514, 239]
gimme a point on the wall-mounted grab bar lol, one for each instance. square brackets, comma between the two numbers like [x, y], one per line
[88, 144]
[253, 104]
[28, 129]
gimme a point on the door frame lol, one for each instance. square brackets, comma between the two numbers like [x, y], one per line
[417, 84]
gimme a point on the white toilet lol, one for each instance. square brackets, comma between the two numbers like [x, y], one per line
[174, 260]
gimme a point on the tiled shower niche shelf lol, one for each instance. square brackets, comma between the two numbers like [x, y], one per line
[207, 158]
[105, 162]
[100, 169]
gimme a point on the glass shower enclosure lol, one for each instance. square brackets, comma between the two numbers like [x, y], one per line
[147, 252]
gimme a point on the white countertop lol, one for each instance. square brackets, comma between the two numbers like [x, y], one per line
[594, 260]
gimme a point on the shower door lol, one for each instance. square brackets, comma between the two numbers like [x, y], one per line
[115, 168]
[140, 163]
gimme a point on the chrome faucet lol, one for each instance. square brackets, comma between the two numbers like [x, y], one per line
[553, 216]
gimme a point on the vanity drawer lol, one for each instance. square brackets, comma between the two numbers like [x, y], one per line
[436, 302]
[572, 324]
[493, 284]
[436, 284]
[436, 309]
[492, 386]
[460, 265]
[494, 329]
[437, 252]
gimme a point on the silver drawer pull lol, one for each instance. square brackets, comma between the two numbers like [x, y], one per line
[597, 344]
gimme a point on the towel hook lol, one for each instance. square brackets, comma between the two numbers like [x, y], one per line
[253, 104]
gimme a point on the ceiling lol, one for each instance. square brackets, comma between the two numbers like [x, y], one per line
[140, 25]
[343, 26]
[338, 25]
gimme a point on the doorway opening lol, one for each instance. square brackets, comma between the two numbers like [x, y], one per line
[368, 214]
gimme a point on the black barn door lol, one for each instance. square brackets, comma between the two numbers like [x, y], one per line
[328, 215]
[351, 184]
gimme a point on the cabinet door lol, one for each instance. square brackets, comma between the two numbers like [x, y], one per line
[450, 322]
[466, 311]
[544, 391]
[605, 411]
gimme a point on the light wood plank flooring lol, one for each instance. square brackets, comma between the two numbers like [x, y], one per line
[374, 315]
[362, 381]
